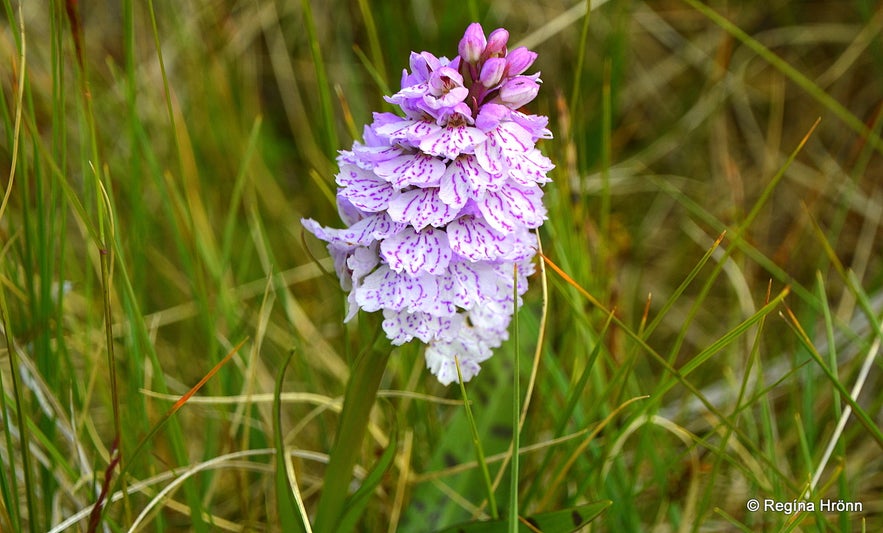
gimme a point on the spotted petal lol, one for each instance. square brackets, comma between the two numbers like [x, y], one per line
[413, 251]
[476, 240]
[382, 290]
[507, 138]
[408, 93]
[399, 291]
[513, 206]
[452, 141]
[473, 283]
[462, 178]
[491, 321]
[407, 129]
[411, 169]
[463, 347]
[363, 233]
[402, 326]
[535, 124]
[362, 261]
[530, 168]
[364, 189]
[421, 208]
[368, 156]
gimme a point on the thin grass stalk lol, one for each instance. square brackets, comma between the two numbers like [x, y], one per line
[378, 80]
[873, 351]
[105, 241]
[10, 509]
[17, 393]
[193, 498]
[23, 432]
[476, 444]
[289, 507]
[572, 400]
[840, 448]
[580, 59]
[679, 375]
[544, 313]
[147, 439]
[767, 264]
[373, 40]
[606, 133]
[16, 133]
[753, 361]
[860, 413]
[324, 89]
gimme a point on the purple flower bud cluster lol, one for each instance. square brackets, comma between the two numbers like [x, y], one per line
[439, 203]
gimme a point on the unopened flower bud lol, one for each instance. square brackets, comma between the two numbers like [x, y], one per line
[492, 71]
[518, 60]
[472, 44]
[496, 43]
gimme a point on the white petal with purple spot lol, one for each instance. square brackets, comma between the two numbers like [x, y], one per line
[411, 169]
[364, 189]
[413, 251]
[451, 141]
[476, 240]
[421, 208]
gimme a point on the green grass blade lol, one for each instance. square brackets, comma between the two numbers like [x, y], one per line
[328, 129]
[568, 520]
[356, 504]
[378, 65]
[24, 446]
[580, 58]
[859, 412]
[361, 392]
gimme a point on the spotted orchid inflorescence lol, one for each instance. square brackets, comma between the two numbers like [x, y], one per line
[439, 203]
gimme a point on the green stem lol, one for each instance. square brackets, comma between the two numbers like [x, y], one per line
[476, 442]
[516, 411]
[361, 392]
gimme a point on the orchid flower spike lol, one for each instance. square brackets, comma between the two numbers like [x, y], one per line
[440, 200]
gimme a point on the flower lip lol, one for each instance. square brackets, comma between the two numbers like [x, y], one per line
[444, 80]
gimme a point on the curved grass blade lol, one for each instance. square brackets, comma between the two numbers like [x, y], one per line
[288, 504]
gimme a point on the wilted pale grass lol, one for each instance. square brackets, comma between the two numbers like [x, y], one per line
[714, 284]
